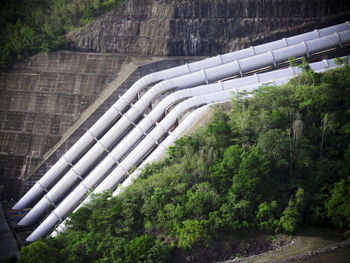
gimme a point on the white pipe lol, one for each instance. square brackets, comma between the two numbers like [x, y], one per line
[173, 136]
[107, 140]
[97, 129]
[131, 159]
[160, 150]
[79, 192]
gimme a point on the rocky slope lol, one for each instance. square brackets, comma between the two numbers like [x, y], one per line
[203, 27]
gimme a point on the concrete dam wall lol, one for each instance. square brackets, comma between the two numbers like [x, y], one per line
[40, 99]
[203, 27]
[45, 99]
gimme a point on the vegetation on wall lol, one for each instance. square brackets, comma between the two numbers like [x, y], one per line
[28, 27]
[277, 162]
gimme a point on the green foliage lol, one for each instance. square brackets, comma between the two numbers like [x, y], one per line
[40, 252]
[292, 62]
[338, 206]
[193, 233]
[342, 61]
[278, 161]
[31, 26]
[145, 249]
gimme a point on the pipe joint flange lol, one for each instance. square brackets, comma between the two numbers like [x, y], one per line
[317, 32]
[222, 85]
[85, 187]
[339, 39]
[253, 49]
[239, 68]
[257, 77]
[114, 159]
[103, 146]
[220, 57]
[42, 187]
[188, 68]
[154, 140]
[205, 75]
[130, 120]
[93, 136]
[326, 62]
[77, 174]
[67, 161]
[306, 48]
[57, 216]
[285, 41]
[149, 118]
[273, 59]
[50, 201]
[126, 171]
[116, 110]
[142, 130]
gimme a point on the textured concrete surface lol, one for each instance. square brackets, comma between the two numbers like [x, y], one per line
[8, 245]
[96, 111]
[40, 99]
[203, 27]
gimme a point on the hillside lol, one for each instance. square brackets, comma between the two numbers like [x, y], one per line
[28, 27]
[277, 162]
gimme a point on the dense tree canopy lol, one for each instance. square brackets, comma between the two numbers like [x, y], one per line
[28, 27]
[278, 161]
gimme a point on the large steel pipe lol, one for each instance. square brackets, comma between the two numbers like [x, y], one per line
[109, 117]
[136, 155]
[79, 192]
[173, 136]
[160, 150]
[128, 142]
